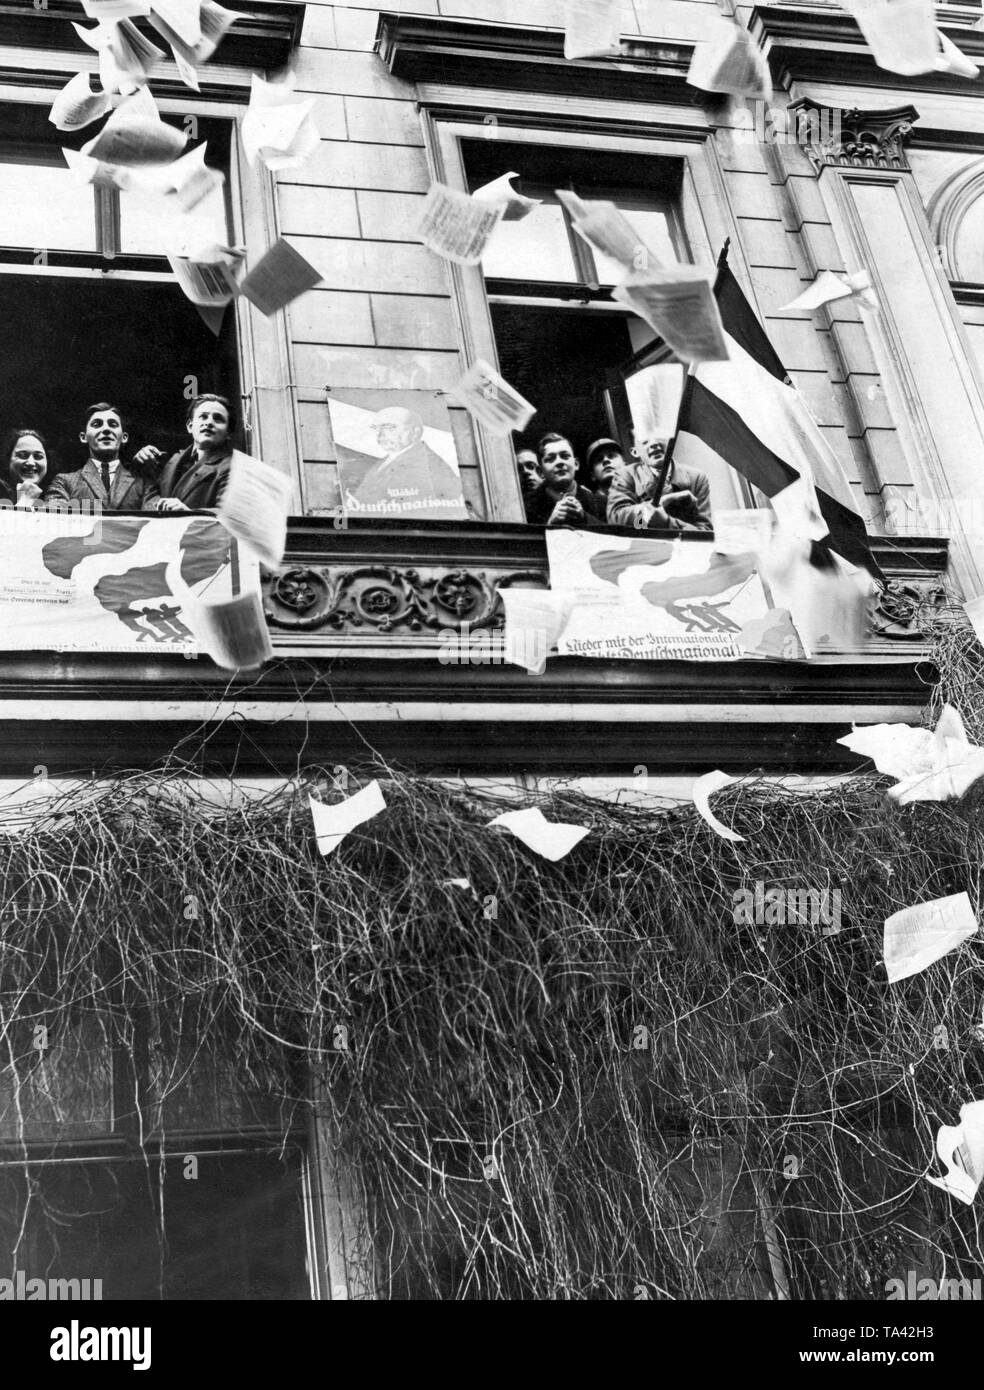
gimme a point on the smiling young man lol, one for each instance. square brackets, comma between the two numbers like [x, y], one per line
[195, 478]
[559, 500]
[103, 479]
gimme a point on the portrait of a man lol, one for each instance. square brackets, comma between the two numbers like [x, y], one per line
[410, 473]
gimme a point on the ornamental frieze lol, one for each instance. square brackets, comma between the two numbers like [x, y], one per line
[851, 138]
[389, 599]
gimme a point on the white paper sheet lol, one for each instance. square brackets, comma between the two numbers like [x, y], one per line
[829, 607]
[900, 33]
[183, 17]
[534, 620]
[254, 507]
[107, 10]
[606, 227]
[727, 59]
[189, 180]
[209, 278]
[919, 935]
[126, 56]
[703, 789]
[930, 765]
[742, 531]
[279, 127]
[678, 303]
[828, 287]
[456, 226]
[278, 278]
[77, 105]
[136, 135]
[88, 170]
[961, 1148]
[952, 60]
[592, 28]
[490, 398]
[500, 190]
[232, 632]
[215, 22]
[333, 822]
[798, 511]
[550, 839]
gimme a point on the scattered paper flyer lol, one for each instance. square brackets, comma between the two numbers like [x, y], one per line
[929, 765]
[900, 33]
[182, 17]
[607, 228]
[703, 789]
[550, 839]
[534, 620]
[919, 935]
[106, 10]
[456, 226]
[828, 604]
[88, 170]
[77, 105]
[135, 134]
[742, 531]
[729, 60]
[279, 277]
[233, 632]
[279, 127]
[208, 278]
[592, 28]
[828, 287]
[214, 23]
[254, 507]
[961, 1148]
[487, 396]
[126, 56]
[678, 303]
[333, 822]
[500, 190]
[456, 883]
[952, 60]
[974, 608]
[186, 181]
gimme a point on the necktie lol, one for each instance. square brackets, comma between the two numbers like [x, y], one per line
[106, 480]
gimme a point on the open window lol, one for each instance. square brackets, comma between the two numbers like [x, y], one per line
[561, 338]
[91, 311]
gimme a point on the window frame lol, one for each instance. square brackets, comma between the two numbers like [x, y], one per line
[451, 115]
[268, 394]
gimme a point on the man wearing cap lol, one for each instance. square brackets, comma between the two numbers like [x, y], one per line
[684, 503]
[601, 462]
[411, 481]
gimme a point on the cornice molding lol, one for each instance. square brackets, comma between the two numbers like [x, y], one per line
[809, 44]
[263, 39]
[470, 53]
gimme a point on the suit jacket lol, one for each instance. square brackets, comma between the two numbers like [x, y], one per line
[540, 505]
[197, 485]
[631, 500]
[128, 493]
[417, 485]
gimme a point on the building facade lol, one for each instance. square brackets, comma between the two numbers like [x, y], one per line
[848, 166]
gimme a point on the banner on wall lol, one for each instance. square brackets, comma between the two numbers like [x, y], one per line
[73, 581]
[396, 455]
[651, 600]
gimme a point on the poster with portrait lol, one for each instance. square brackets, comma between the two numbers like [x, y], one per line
[396, 455]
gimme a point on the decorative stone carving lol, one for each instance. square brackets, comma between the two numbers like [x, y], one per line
[896, 611]
[389, 599]
[853, 139]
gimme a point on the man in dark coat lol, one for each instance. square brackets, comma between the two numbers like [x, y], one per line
[684, 503]
[195, 478]
[103, 481]
[559, 500]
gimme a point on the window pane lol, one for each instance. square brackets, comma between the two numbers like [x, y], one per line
[144, 217]
[45, 207]
[653, 227]
[537, 248]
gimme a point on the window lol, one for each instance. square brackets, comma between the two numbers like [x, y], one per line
[561, 339]
[98, 1119]
[91, 310]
